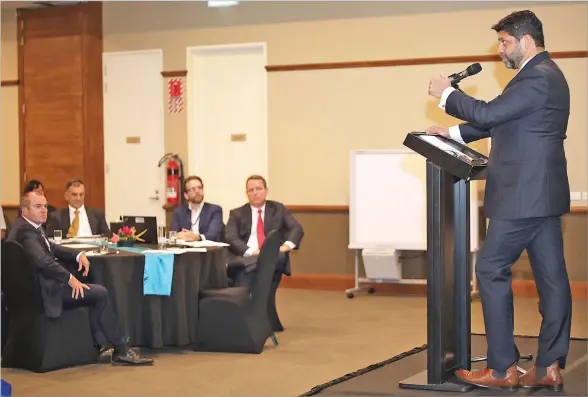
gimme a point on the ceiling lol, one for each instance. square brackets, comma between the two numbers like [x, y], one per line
[9, 5]
[196, 14]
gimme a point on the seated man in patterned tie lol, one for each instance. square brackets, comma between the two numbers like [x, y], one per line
[60, 289]
[77, 220]
[246, 231]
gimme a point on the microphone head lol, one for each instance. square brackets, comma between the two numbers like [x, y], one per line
[474, 68]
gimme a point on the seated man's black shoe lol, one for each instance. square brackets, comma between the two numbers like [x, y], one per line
[105, 351]
[105, 354]
[129, 357]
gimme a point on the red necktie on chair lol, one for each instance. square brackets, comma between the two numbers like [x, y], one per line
[260, 231]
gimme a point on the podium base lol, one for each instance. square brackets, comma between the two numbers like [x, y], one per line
[419, 382]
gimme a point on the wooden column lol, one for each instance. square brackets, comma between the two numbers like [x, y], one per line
[60, 97]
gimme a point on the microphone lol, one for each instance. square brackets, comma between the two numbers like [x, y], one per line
[471, 70]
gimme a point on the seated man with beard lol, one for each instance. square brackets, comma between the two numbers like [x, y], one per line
[198, 220]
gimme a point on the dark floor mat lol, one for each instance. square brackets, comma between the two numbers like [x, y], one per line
[382, 379]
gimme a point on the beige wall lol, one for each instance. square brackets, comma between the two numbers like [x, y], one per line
[154, 25]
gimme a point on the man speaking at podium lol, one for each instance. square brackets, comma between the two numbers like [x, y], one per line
[527, 191]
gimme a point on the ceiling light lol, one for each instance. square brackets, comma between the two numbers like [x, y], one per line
[222, 3]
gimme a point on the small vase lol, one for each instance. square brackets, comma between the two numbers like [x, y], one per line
[125, 243]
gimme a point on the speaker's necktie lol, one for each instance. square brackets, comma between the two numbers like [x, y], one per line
[75, 224]
[260, 231]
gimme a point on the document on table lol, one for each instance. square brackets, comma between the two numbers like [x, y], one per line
[175, 250]
[78, 246]
[200, 244]
[96, 253]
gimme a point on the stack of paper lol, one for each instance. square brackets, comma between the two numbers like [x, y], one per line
[78, 245]
[201, 244]
[157, 252]
[176, 250]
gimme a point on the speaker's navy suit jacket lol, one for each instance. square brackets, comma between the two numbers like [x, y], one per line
[527, 169]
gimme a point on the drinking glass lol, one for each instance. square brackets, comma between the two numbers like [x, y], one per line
[103, 244]
[161, 239]
[172, 237]
[57, 236]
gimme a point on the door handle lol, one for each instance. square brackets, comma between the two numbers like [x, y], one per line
[156, 197]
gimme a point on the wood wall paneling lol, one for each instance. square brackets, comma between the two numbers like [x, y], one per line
[8, 83]
[174, 73]
[93, 125]
[409, 62]
[390, 63]
[60, 98]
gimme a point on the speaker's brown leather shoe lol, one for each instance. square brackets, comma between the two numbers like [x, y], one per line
[553, 380]
[489, 378]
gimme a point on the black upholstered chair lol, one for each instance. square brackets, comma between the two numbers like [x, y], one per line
[235, 320]
[4, 323]
[272, 311]
[36, 342]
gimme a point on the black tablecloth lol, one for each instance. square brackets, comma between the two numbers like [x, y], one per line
[157, 321]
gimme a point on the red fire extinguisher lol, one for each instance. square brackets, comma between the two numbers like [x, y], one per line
[172, 191]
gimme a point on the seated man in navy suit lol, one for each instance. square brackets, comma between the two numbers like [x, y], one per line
[198, 220]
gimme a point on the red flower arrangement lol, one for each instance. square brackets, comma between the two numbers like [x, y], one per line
[127, 235]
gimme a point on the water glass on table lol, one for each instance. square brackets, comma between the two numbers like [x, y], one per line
[161, 238]
[103, 247]
[172, 237]
[57, 236]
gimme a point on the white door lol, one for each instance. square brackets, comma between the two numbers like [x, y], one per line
[227, 119]
[133, 134]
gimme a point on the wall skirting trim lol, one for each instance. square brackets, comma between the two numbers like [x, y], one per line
[340, 282]
[575, 209]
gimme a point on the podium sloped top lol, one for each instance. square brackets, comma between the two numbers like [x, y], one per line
[458, 159]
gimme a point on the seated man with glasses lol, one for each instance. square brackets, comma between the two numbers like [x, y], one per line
[197, 220]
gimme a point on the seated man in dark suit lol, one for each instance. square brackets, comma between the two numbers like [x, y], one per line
[247, 228]
[198, 220]
[77, 220]
[60, 289]
[35, 185]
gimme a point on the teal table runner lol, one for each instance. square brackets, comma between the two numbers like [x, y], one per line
[158, 272]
